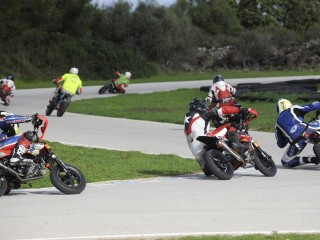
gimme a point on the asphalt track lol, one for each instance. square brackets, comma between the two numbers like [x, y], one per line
[157, 207]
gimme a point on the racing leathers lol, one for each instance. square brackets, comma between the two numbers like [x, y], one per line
[221, 94]
[195, 125]
[291, 128]
[21, 142]
[121, 82]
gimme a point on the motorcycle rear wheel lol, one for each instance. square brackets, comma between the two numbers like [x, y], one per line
[265, 165]
[71, 182]
[63, 105]
[3, 185]
[216, 164]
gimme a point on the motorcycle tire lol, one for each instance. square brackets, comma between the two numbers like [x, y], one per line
[316, 150]
[49, 109]
[103, 89]
[216, 164]
[63, 105]
[264, 164]
[3, 185]
[207, 171]
[72, 182]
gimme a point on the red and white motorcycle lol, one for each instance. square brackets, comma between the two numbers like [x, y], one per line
[222, 160]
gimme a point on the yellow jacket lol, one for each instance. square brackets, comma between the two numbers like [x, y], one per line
[71, 83]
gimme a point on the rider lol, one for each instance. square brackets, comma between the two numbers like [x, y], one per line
[9, 125]
[291, 128]
[7, 87]
[221, 93]
[197, 123]
[122, 81]
[70, 83]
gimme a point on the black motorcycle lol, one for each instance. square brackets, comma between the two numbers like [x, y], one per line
[109, 87]
[60, 102]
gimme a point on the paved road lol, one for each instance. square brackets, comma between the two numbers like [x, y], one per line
[159, 207]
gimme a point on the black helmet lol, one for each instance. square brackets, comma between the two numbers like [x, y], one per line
[197, 106]
[218, 78]
[10, 77]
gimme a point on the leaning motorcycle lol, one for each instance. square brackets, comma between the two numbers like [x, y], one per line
[60, 102]
[222, 160]
[314, 137]
[109, 87]
[65, 177]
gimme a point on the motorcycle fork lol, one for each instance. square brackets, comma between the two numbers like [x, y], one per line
[53, 159]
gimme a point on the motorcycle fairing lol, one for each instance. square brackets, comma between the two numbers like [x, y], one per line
[7, 145]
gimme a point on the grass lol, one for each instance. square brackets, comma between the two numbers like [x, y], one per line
[171, 106]
[168, 77]
[274, 236]
[103, 165]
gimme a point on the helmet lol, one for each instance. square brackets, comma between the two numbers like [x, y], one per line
[13, 129]
[10, 77]
[218, 78]
[128, 75]
[283, 104]
[197, 106]
[74, 70]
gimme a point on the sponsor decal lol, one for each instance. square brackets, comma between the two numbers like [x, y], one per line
[294, 128]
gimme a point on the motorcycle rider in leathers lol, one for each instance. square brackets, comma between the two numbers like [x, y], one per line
[221, 94]
[9, 125]
[197, 123]
[122, 81]
[291, 128]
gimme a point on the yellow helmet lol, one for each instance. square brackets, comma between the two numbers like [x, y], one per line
[283, 104]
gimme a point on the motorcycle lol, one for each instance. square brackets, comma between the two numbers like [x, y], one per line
[221, 160]
[110, 87]
[60, 102]
[65, 177]
[314, 137]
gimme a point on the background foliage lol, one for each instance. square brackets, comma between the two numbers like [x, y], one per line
[40, 39]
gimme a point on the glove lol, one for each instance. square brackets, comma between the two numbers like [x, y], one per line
[208, 99]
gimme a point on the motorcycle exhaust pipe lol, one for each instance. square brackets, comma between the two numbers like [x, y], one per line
[17, 175]
[222, 144]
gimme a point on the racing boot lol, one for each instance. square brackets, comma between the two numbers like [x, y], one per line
[235, 143]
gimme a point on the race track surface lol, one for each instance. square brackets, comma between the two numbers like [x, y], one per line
[157, 207]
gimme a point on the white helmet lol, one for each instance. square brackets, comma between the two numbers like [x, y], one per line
[74, 70]
[128, 75]
[283, 104]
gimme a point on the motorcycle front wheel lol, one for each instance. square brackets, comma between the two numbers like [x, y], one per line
[103, 89]
[216, 164]
[71, 182]
[264, 163]
[49, 109]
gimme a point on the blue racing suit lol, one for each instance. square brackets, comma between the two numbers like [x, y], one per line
[290, 128]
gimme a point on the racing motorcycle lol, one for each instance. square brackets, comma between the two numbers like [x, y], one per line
[314, 137]
[66, 178]
[110, 87]
[222, 160]
[59, 101]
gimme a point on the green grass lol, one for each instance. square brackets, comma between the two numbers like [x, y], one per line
[171, 106]
[274, 236]
[168, 77]
[103, 165]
